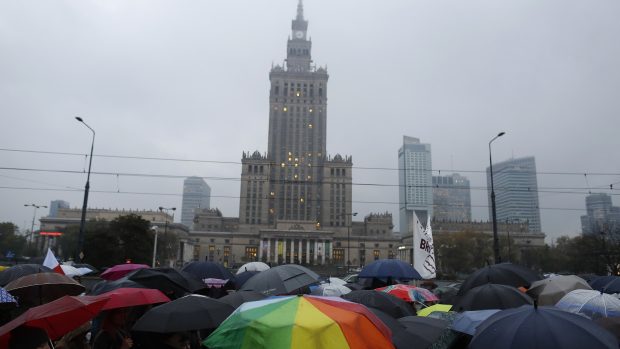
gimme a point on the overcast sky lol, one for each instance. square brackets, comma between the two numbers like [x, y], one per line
[189, 80]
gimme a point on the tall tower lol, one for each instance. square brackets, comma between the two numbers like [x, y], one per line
[196, 194]
[516, 192]
[296, 181]
[415, 181]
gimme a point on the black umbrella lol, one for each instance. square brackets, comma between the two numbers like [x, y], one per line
[237, 298]
[492, 296]
[446, 294]
[208, 270]
[540, 327]
[281, 280]
[107, 286]
[243, 277]
[171, 282]
[190, 313]
[385, 302]
[422, 330]
[389, 269]
[611, 287]
[41, 288]
[17, 271]
[598, 283]
[400, 338]
[503, 274]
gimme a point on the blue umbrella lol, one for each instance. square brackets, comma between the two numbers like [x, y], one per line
[242, 277]
[599, 282]
[467, 321]
[208, 270]
[612, 287]
[540, 327]
[6, 299]
[389, 269]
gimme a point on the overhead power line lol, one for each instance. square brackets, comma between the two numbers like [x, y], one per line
[155, 158]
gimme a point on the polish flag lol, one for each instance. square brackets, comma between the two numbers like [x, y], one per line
[52, 263]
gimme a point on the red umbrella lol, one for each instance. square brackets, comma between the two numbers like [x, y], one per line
[129, 297]
[58, 317]
[118, 271]
[410, 293]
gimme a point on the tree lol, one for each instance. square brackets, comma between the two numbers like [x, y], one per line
[135, 239]
[10, 241]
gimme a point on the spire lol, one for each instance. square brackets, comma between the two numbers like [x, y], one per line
[300, 10]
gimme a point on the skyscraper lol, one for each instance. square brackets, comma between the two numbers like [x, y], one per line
[601, 215]
[516, 192]
[296, 181]
[196, 194]
[55, 205]
[451, 198]
[415, 183]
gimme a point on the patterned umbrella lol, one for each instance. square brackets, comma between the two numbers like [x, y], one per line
[410, 293]
[6, 300]
[301, 322]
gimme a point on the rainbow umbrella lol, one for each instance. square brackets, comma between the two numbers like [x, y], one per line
[410, 293]
[301, 322]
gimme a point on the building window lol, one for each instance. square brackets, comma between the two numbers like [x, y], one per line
[339, 254]
[251, 253]
[211, 248]
[227, 241]
[376, 254]
[226, 251]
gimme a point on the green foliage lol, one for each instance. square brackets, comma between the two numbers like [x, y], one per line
[110, 243]
[10, 241]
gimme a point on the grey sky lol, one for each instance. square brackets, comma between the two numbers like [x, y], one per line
[189, 79]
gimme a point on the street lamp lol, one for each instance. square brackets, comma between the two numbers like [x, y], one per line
[34, 215]
[79, 251]
[348, 237]
[161, 209]
[495, 239]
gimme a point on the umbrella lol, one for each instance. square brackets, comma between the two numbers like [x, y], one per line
[425, 330]
[252, 266]
[301, 322]
[445, 293]
[6, 299]
[612, 287]
[492, 296]
[434, 308]
[171, 282]
[594, 304]
[503, 273]
[540, 327]
[129, 297]
[241, 279]
[611, 324]
[58, 317]
[107, 286]
[208, 270]
[385, 302]
[73, 271]
[189, 313]
[237, 298]
[410, 293]
[549, 291]
[400, 338]
[467, 321]
[599, 282]
[336, 281]
[43, 287]
[283, 279]
[85, 265]
[17, 271]
[330, 290]
[118, 271]
[389, 269]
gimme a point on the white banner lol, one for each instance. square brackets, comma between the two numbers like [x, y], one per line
[423, 252]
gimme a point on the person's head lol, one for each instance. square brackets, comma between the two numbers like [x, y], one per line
[179, 340]
[25, 337]
[115, 318]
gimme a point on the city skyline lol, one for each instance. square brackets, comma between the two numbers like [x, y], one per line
[141, 82]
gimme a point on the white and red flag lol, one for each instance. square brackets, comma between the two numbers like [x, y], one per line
[52, 263]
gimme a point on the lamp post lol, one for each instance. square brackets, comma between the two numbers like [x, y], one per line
[161, 209]
[495, 239]
[348, 237]
[34, 215]
[79, 253]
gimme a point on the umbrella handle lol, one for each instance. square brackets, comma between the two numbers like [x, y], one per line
[49, 341]
[420, 303]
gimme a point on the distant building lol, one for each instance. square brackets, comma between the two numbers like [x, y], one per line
[55, 205]
[196, 194]
[602, 216]
[451, 198]
[415, 181]
[516, 192]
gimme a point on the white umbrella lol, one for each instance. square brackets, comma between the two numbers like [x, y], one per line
[253, 266]
[336, 281]
[72, 271]
[549, 291]
[591, 303]
[330, 290]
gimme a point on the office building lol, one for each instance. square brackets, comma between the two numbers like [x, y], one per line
[451, 198]
[55, 205]
[415, 181]
[196, 195]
